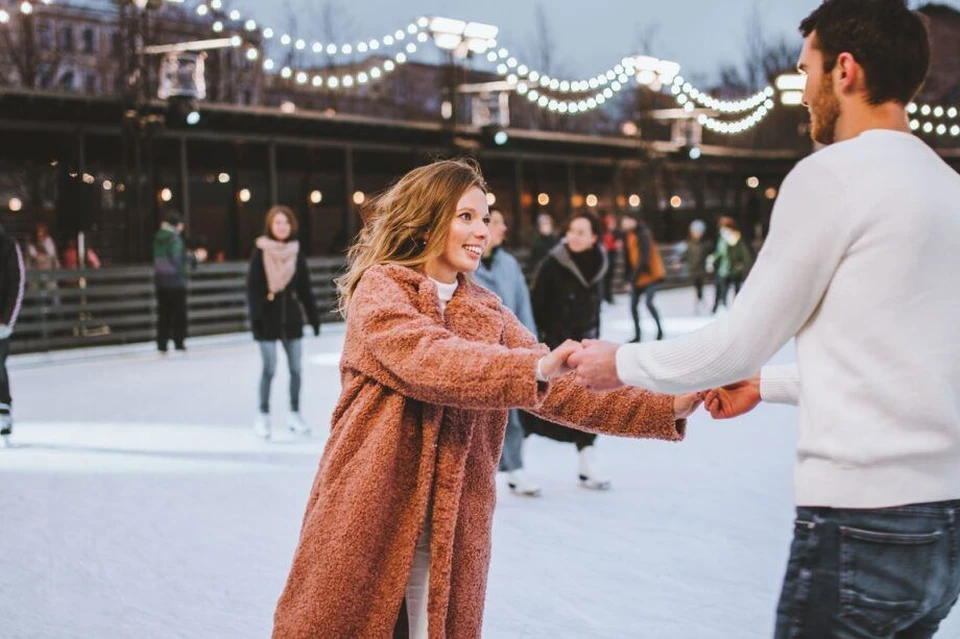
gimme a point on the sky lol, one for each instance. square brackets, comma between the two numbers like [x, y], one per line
[590, 37]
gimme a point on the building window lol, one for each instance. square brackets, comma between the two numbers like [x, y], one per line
[45, 77]
[45, 36]
[90, 84]
[89, 40]
[66, 39]
[247, 97]
[116, 43]
[66, 81]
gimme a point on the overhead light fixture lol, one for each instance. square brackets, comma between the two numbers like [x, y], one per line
[791, 82]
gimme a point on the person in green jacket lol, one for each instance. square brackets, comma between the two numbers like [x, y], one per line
[731, 261]
[171, 265]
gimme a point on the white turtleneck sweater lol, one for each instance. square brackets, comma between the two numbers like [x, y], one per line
[859, 265]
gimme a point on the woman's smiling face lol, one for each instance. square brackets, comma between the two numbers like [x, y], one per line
[466, 239]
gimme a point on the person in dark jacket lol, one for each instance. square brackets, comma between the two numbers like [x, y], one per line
[566, 298]
[171, 271]
[543, 242]
[695, 255]
[12, 277]
[500, 272]
[278, 294]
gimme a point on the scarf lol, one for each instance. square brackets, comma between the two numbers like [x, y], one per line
[279, 262]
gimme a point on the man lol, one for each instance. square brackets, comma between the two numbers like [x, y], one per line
[644, 269]
[171, 264]
[856, 266]
[12, 276]
[500, 272]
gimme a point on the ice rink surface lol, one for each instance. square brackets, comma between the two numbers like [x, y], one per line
[138, 503]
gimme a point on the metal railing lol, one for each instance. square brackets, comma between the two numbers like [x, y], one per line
[117, 305]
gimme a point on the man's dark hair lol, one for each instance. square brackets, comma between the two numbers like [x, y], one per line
[888, 40]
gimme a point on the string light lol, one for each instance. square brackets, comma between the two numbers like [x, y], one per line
[940, 129]
[738, 126]
[416, 29]
[685, 93]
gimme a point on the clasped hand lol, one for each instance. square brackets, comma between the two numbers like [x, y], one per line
[594, 364]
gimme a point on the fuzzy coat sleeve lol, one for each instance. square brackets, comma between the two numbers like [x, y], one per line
[626, 412]
[418, 357]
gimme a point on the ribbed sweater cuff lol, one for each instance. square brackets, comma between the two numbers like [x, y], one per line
[780, 384]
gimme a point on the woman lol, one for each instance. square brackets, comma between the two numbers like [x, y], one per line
[402, 505]
[278, 294]
[566, 299]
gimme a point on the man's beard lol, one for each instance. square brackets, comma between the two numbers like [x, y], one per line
[824, 113]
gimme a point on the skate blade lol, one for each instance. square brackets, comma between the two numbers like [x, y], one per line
[593, 484]
[523, 493]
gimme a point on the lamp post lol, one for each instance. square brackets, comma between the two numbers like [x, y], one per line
[460, 40]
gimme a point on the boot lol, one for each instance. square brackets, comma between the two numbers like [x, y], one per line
[590, 474]
[261, 426]
[520, 484]
[296, 424]
[6, 428]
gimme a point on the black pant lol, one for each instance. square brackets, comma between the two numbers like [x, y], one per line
[723, 288]
[608, 277]
[698, 286]
[171, 316]
[5, 399]
[635, 294]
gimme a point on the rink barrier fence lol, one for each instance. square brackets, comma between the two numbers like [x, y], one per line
[117, 304]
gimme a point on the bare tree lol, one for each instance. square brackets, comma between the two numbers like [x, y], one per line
[646, 38]
[544, 44]
[28, 57]
[764, 57]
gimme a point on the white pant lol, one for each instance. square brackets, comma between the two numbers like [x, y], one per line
[418, 585]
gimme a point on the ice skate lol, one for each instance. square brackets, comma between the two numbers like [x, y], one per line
[590, 474]
[296, 424]
[520, 484]
[261, 426]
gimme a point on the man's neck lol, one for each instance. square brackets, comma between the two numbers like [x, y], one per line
[864, 117]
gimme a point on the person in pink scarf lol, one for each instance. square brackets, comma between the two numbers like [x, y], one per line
[279, 294]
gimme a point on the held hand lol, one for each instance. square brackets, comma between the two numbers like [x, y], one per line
[596, 365]
[686, 405]
[555, 363]
[735, 399]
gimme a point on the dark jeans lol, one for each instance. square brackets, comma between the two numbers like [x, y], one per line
[511, 456]
[698, 286]
[268, 353]
[171, 316]
[887, 573]
[5, 400]
[635, 295]
[724, 285]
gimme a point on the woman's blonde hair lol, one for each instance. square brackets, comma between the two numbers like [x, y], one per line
[407, 224]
